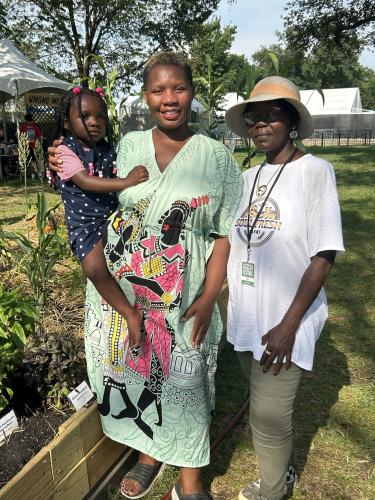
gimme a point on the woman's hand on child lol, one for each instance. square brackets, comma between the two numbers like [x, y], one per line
[53, 156]
[134, 321]
[137, 175]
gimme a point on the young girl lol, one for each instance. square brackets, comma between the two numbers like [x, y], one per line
[87, 185]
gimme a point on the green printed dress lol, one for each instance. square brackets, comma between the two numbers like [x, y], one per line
[159, 400]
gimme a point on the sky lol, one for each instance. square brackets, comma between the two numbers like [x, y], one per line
[257, 23]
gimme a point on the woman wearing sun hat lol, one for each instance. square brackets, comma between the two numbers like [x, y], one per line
[284, 240]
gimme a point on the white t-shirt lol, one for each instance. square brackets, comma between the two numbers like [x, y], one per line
[300, 219]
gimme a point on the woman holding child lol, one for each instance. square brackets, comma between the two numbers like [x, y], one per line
[167, 248]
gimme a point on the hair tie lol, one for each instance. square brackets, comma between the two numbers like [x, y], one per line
[100, 91]
[76, 90]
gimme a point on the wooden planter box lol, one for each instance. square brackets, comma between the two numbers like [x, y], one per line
[70, 465]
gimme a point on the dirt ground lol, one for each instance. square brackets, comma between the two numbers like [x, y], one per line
[35, 432]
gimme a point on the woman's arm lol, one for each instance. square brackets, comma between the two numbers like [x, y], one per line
[279, 340]
[203, 307]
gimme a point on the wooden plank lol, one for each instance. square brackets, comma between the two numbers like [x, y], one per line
[91, 430]
[75, 485]
[33, 482]
[66, 451]
[101, 457]
[79, 416]
[113, 477]
[90, 426]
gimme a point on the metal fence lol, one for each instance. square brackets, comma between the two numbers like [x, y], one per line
[332, 137]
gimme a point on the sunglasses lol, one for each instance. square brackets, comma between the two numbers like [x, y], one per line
[252, 117]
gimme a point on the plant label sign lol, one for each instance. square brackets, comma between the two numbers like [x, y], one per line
[80, 396]
[8, 424]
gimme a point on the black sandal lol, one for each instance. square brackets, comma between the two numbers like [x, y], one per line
[178, 495]
[145, 475]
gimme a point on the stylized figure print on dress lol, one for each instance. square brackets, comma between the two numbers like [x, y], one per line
[159, 242]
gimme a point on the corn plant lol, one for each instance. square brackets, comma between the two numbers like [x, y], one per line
[252, 76]
[24, 160]
[209, 102]
[39, 159]
[36, 260]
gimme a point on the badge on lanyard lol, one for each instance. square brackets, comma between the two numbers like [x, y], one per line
[248, 274]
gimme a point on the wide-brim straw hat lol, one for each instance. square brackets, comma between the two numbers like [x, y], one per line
[270, 89]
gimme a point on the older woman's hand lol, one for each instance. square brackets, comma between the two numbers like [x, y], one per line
[280, 339]
[279, 343]
[53, 156]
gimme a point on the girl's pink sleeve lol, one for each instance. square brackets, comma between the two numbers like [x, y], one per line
[71, 163]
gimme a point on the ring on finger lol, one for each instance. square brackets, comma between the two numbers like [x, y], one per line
[267, 352]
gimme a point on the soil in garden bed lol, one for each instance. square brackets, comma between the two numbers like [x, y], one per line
[35, 432]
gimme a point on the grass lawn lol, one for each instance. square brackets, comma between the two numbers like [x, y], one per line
[335, 409]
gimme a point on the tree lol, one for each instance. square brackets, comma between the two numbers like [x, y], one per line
[3, 20]
[211, 60]
[322, 67]
[59, 35]
[288, 62]
[309, 22]
[367, 88]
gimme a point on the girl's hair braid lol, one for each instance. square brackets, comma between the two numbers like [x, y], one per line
[63, 114]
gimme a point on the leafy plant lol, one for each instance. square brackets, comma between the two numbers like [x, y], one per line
[210, 101]
[17, 324]
[108, 89]
[24, 160]
[39, 161]
[37, 259]
[56, 365]
[252, 76]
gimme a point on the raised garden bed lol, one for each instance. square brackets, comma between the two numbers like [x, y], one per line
[70, 465]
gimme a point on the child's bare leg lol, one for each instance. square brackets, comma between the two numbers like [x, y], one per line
[95, 268]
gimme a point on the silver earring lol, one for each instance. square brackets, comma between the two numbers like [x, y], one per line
[293, 134]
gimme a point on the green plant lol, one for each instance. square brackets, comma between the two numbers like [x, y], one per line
[252, 76]
[39, 161]
[37, 259]
[210, 102]
[17, 324]
[24, 162]
[56, 365]
[108, 87]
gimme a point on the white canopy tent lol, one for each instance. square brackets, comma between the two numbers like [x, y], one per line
[19, 76]
[336, 101]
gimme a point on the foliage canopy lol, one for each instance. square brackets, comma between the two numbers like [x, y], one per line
[60, 35]
[308, 22]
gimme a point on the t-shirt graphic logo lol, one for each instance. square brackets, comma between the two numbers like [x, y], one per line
[268, 222]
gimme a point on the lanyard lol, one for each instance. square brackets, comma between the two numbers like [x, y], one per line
[250, 230]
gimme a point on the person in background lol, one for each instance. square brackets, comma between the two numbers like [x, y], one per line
[284, 239]
[2, 136]
[34, 132]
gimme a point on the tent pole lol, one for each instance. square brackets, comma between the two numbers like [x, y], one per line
[4, 123]
[16, 101]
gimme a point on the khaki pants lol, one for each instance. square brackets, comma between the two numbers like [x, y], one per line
[271, 410]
